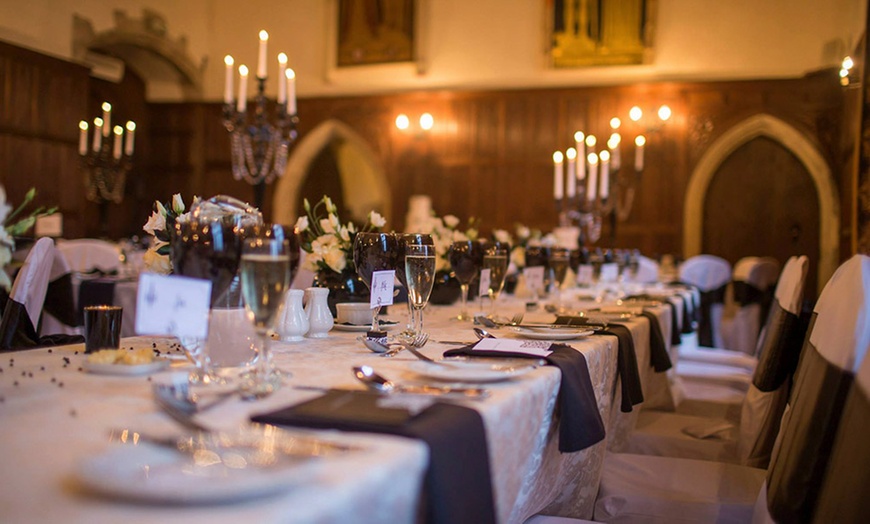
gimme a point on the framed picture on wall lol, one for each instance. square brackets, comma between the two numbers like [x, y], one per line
[585, 33]
[375, 32]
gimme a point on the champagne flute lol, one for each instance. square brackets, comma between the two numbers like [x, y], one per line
[374, 252]
[558, 261]
[209, 249]
[536, 257]
[464, 260]
[405, 241]
[495, 258]
[265, 269]
[420, 275]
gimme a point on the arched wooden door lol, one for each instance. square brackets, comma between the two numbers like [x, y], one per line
[762, 202]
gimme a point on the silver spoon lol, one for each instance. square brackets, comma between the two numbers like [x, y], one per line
[374, 345]
[372, 380]
[481, 333]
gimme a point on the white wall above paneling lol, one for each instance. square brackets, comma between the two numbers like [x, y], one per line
[479, 44]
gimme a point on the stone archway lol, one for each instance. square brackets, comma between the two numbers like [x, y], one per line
[364, 184]
[775, 129]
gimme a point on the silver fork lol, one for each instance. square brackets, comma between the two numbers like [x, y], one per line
[418, 341]
[516, 319]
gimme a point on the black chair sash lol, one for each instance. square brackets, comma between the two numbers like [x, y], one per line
[458, 487]
[705, 322]
[815, 410]
[59, 300]
[746, 293]
[843, 497]
[17, 331]
[779, 349]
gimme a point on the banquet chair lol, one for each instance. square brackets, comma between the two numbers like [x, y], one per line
[87, 254]
[722, 376]
[662, 489]
[711, 275]
[59, 311]
[21, 316]
[749, 443]
[647, 271]
[751, 288]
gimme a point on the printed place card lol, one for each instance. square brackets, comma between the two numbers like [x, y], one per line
[172, 305]
[382, 288]
[534, 278]
[534, 348]
[485, 279]
[609, 272]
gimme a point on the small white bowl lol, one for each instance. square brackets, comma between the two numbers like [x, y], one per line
[355, 313]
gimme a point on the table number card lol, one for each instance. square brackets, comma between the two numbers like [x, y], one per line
[485, 279]
[585, 274]
[534, 278]
[534, 348]
[382, 288]
[172, 305]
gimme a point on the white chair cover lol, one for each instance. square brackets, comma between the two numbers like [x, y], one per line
[86, 254]
[32, 280]
[637, 488]
[750, 443]
[709, 274]
[742, 319]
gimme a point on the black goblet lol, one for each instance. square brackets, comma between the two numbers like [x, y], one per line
[466, 259]
[374, 252]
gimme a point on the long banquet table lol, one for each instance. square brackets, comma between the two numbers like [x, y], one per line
[54, 415]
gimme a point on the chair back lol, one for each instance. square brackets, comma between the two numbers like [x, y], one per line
[843, 496]
[835, 347]
[647, 271]
[59, 314]
[711, 275]
[780, 346]
[24, 306]
[87, 254]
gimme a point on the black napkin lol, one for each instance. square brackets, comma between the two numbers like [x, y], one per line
[17, 331]
[659, 358]
[581, 425]
[675, 324]
[97, 292]
[457, 487]
[626, 359]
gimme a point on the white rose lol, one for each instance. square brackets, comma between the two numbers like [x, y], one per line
[155, 262]
[451, 221]
[523, 232]
[326, 225]
[301, 223]
[344, 234]
[518, 257]
[335, 259]
[502, 236]
[459, 236]
[156, 222]
[177, 204]
[376, 219]
[311, 261]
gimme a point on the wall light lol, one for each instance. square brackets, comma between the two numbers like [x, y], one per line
[426, 121]
[402, 122]
[846, 77]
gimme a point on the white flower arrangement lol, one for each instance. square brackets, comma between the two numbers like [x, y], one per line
[161, 226]
[14, 226]
[444, 233]
[328, 242]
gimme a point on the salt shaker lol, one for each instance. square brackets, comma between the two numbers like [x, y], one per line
[320, 319]
[294, 319]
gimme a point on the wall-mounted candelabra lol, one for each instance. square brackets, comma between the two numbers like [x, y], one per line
[106, 158]
[598, 184]
[260, 146]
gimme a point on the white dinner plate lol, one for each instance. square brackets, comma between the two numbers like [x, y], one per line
[124, 369]
[490, 370]
[552, 333]
[361, 328]
[146, 472]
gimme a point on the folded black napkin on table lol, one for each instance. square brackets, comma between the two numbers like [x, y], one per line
[457, 486]
[675, 324]
[581, 425]
[626, 359]
[659, 358]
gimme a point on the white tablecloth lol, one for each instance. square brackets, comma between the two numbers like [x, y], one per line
[53, 415]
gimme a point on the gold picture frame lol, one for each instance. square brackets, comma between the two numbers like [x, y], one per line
[584, 33]
[374, 32]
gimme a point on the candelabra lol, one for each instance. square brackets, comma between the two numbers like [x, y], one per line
[260, 146]
[107, 162]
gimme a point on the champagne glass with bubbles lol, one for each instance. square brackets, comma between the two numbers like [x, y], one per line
[265, 270]
[420, 275]
[495, 258]
[406, 241]
[558, 261]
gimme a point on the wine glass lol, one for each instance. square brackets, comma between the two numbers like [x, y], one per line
[420, 276]
[407, 240]
[374, 252]
[265, 271]
[209, 249]
[464, 260]
[495, 259]
[558, 260]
